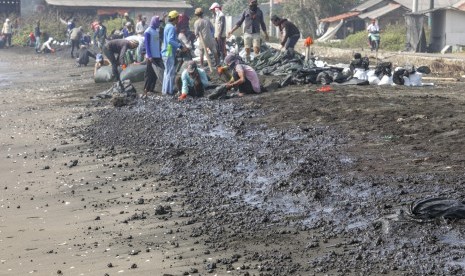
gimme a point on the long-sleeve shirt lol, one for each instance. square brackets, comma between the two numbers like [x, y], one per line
[141, 27]
[287, 29]
[253, 21]
[118, 46]
[187, 81]
[6, 28]
[220, 25]
[170, 41]
[152, 43]
[76, 34]
[83, 56]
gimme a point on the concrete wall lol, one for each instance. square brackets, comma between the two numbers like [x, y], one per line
[454, 28]
[438, 28]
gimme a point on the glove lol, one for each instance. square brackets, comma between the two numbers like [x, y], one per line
[182, 97]
[221, 69]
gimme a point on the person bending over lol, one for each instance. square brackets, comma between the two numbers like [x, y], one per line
[193, 81]
[118, 47]
[244, 77]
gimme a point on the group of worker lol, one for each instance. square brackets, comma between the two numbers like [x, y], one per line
[164, 44]
[164, 39]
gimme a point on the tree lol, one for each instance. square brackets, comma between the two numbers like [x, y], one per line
[306, 13]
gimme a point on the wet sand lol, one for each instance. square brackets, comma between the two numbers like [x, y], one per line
[293, 182]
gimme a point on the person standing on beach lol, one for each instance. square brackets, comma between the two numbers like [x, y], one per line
[220, 29]
[75, 36]
[155, 66]
[170, 46]
[37, 35]
[253, 20]
[204, 30]
[7, 32]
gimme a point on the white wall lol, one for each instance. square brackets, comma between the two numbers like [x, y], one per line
[455, 28]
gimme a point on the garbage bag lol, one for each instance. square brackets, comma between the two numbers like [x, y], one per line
[431, 208]
[124, 88]
[385, 80]
[415, 79]
[360, 74]
[104, 74]
[134, 73]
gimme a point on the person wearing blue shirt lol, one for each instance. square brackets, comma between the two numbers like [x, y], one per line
[194, 80]
[170, 46]
[155, 66]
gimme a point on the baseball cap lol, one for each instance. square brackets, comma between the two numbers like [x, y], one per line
[191, 66]
[214, 6]
[98, 57]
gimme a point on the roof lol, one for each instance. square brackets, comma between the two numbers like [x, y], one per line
[366, 5]
[424, 4]
[340, 16]
[460, 5]
[118, 4]
[381, 11]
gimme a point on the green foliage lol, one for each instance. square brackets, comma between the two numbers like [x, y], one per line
[113, 24]
[392, 39]
[50, 26]
[306, 13]
[235, 7]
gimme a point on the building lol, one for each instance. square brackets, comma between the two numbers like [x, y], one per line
[384, 11]
[447, 26]
[94, 7]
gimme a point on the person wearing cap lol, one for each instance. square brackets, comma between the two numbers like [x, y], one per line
[253, 19]
[118, 47]
[126, 30]
[46, 47]
[290, 34]
[193, 82]
[125, 21]
[100, 62]
[203, 30]
[220, 29]
[155, 66]
[7, 32]
[169, 48]
[244, 77]
[83, 56]
[75, 36]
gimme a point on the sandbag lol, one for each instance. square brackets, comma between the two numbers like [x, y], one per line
[134, 73]
[104, 74]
